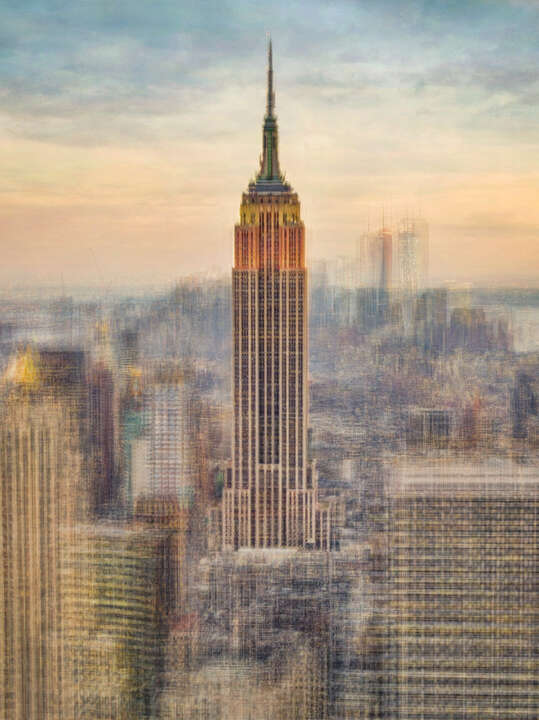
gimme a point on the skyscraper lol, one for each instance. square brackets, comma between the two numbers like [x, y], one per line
[376, 273]
[376, 259]
[169, 448]
[41, 492]
[270, 494]
[462, 593]
[412, 254]
[158, 437]
[114, 608]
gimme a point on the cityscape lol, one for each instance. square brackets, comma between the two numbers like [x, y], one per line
[299, 488]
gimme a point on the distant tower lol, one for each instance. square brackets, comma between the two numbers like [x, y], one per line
[376, 259]
[385, 241]
[270, 494]
[412, 254]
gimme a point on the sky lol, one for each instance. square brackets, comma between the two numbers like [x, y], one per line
[129, 130]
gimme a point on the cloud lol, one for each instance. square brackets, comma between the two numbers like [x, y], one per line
[155, 109]
[70, 68]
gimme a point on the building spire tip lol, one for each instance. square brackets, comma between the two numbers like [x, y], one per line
[269, 163]
[271, 95]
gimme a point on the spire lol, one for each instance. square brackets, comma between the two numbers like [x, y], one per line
[270, 173]
[271, 95]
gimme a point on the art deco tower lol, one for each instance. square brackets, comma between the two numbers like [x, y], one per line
[270, 494]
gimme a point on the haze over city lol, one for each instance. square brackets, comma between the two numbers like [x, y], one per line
[127, 131]
[269, 360]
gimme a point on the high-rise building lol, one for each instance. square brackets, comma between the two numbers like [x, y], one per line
[101, 428]
[115, 597]
[524, 402]
[41, 493]
[430, 321]
[158, 438]
[412, 254]
[376, 274]
[462, 603]
[169, 449]
[270, 494]
[167, 515]
[102, 422]
[376, 259]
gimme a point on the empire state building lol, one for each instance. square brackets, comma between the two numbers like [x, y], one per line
[270, 498]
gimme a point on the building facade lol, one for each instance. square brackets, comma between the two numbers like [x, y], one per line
[41, 492]
[169, 446]
[270, 494]
[114, 611]
[462, 603]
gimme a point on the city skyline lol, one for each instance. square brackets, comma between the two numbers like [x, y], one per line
[126, 136]
[269, 360]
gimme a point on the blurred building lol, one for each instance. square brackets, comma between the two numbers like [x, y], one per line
[101, 418]
[376, 276]
[428, 428]
[183, 644]
[430, 321]
[524, 408]
[376, 259]
[217, 690]
[114, 621]
[171, 518]
[272, 612]
[157, 437]
[412, 254]
[133, 442]
[253, 595]
[43, 489]
[294, 687]
[320, 293]
[462, 595]
[469, 329]
[169, 448]
[368, 308]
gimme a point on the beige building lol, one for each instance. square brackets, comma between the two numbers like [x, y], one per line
[40, 492]
[463, 605]
[114, 621]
